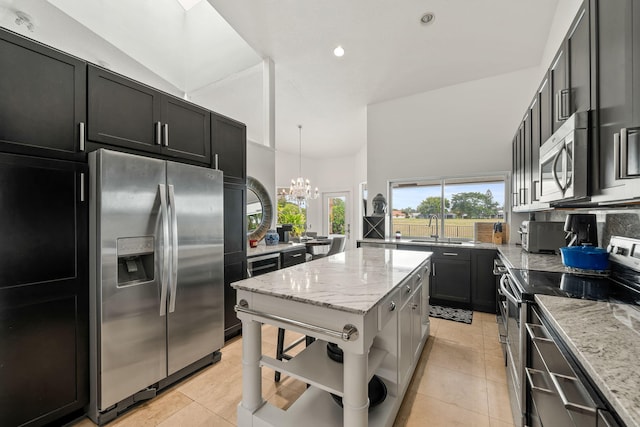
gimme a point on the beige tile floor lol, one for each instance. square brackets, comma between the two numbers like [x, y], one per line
[459, 381]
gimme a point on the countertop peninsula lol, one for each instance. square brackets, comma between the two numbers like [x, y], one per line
[605, 339]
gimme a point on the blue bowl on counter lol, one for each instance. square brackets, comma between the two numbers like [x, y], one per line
[585, 257]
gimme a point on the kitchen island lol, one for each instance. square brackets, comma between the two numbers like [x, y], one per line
[373, 303]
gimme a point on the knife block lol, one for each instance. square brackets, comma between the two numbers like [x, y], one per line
[496, 238]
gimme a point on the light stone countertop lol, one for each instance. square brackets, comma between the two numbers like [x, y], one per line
[605, 338]
[408, 242]
[263, 249]
[513, 254]
[352, 281]
[516, 257]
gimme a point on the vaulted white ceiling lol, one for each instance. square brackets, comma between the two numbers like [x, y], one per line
[389, 53]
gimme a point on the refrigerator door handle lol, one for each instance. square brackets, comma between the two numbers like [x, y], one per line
[165, 248]
[174, 250]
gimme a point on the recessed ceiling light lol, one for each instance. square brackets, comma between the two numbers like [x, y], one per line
[427, 18]
[338, 51]
[188, 4]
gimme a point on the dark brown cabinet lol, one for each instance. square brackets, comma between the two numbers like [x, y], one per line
[229, 142]
[570, 73]
[235, 249]
[293, 257]
[618, 79]
[43, 101]
[568, 87]
[451, 276]
[125, 113]
[44, 289]
[483, 281]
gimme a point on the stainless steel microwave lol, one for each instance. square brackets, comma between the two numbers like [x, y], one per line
[564, 162]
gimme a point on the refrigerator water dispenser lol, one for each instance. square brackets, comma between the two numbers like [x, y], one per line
[135, 260]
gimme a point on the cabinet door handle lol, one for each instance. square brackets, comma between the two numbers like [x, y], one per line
[624, 153]
[433, 270]
[616, 155]
[408, 288]
[166, 134]
[82, 186]
[296, 255]
[449, 254]
[82, 135]
[158, 133]
[215, 161]
[562, 105]
[392, 306]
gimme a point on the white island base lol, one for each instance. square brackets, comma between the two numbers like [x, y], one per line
[382, 332]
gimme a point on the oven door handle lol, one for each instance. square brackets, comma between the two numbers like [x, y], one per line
[506, 292]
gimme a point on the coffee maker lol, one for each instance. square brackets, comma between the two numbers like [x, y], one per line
[581, 229]
[283, 232]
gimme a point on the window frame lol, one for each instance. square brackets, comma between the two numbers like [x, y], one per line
[442, 181]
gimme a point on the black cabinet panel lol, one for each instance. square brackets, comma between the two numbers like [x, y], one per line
[38, 355]
[38, 224]
[618, 81]
[293, 257]
[579, 51]
[43, 99]
[545, 111]
[189, 130]
[559, 87]
[235, 218]
[451, 280]
[122, 112]
[232, 273]
[229, 142]
[483, 281]
[44, 289]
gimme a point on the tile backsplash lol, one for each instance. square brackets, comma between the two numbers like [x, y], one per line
[611, 222]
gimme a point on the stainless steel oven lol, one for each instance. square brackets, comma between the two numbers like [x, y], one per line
[515, 313]
[501, 306]
[557, 395]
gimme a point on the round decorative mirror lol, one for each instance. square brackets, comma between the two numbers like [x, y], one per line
[259, 209]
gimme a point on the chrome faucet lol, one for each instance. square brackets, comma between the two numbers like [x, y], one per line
[431, 216]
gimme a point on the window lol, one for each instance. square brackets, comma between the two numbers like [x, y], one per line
[456, 208]
[291, 213]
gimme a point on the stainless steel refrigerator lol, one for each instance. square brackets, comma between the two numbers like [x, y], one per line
[156, 275]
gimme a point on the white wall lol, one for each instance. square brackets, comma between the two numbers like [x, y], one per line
[261, 164]
[458, 130]
[565, 13]
[329, 175]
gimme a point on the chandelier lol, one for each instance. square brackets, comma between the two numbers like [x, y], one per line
[300, 189]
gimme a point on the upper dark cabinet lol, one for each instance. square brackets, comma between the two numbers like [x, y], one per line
[618, 82]
[186, 130]
[569, 76]
[559, 87]
[229, 142]
[128, 114]
[42, 106]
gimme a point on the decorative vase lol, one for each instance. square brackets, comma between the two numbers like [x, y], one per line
[271, 238]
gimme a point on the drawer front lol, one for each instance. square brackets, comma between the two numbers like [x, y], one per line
[387, 308]
[293, 257]
[452, 252]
